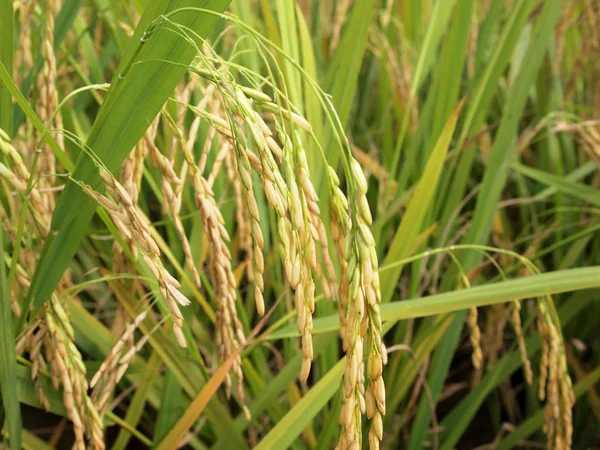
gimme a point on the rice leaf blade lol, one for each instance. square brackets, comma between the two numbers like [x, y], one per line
[549, 283]
[131, 105]
[495, 176]
[295, 421]
[411, 223]
[6, 57]
[8, 359]
[561, 184]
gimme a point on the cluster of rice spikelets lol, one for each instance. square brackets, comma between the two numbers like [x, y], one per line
[171, 183]
[229, 333]
[17, 175]
[260, 145]
[132, 225]
[555, 386]
[48, 103]
[288, 190]
[23, 60]
[555, 383]
[229, 330]
[114, 367]
[255, 135]
[475, 339]
[490, 346]
[516, 322]
[360, 321]
[131, 177]
[50, 342]
[493, 337]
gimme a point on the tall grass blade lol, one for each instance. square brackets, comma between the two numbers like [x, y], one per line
[561, 184]
[343, 72]
[295, 421]
[8, 359]
[411, 224]
[495, 177]
[504, 291]
[6, 57]
[131, 105]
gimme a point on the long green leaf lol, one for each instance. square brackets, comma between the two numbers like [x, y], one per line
[479, 101]
[8, 359]
[170, 408]
[295, 421]
[498, 165]
[561, 184]
[137, 93]
[411, 224]
[435, 30]
[504, 291]
[6, 57]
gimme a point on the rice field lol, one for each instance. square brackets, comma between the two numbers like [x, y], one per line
[302, 224]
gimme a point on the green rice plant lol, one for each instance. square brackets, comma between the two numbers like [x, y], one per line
[299, 224]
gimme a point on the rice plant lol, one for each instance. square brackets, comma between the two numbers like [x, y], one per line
[298, 224]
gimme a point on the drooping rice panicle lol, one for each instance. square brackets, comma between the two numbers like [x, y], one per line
[229, 330]
[132, 225]
[516, 322]
[475, 338]
[555, 378]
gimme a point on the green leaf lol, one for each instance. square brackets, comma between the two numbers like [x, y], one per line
[137, 93]
[295, 421]
[313, 111]
[6, 57]
[410, 227]
[504, 291]
[561, 184]
[8, 359]
[286, 16]
[170, 408]
[342, 75]
[435, 30]
[501, 153]
[479, 101]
